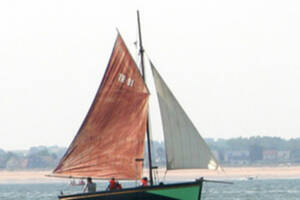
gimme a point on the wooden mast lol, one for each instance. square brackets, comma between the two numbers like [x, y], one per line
[144, 76]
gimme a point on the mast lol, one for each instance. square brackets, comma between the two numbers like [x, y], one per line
[144, 77]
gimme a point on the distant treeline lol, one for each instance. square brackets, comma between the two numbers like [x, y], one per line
[274, 143]
[256, 146]
[40, 157]
[43, 157]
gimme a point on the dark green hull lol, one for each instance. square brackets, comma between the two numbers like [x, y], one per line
[180, 191]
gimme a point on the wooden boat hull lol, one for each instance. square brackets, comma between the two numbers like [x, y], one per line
[179, 191]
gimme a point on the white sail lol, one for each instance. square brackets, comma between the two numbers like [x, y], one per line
[185, 148]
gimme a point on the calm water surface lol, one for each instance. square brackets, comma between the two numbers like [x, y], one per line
[283, 189]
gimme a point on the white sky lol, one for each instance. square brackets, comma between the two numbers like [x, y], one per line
[233, 65]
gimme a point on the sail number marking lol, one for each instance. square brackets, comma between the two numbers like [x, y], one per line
[122, 79]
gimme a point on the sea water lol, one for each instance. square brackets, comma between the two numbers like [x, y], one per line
[272, 189]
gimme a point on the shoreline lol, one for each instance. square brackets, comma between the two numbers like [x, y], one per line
[241, 173]
[229, 173]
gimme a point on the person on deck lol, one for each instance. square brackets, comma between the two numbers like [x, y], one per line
[90, 186]
[144, 182]
[112, 184]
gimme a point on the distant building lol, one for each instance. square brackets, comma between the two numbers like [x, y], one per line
[283, 155]
[270, 155]
[234, 156]
[295, 156]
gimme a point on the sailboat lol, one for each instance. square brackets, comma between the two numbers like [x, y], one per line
[111, 140]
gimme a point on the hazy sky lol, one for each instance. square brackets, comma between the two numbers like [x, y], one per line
[233, 65]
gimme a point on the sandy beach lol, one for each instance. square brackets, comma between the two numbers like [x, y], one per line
[229, 173]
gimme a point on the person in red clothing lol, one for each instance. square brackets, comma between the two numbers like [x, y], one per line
[144, 182]
[112, 184]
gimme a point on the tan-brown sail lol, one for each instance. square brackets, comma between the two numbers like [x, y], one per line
[111, 137]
